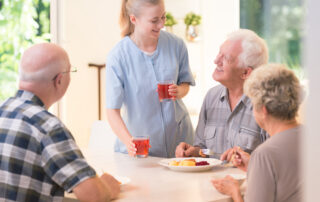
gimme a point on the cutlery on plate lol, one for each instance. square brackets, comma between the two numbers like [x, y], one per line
[206, 152]
[209, 152]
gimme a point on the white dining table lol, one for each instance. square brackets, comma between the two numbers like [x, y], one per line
[150, 181]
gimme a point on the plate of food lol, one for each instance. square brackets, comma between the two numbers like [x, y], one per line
[190, 164]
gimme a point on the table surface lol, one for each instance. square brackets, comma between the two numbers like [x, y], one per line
[150, 181]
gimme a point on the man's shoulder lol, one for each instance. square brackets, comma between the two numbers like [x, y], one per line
[215, 92]
[30, 114]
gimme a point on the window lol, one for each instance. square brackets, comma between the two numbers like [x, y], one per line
[22, 23]
[280, 24]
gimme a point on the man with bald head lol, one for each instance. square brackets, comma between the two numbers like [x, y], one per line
[39, 158]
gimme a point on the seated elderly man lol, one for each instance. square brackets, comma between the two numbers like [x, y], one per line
[226, 119]
[39, 158]
[274, 167]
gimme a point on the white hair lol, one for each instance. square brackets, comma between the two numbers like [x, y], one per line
[254, 48]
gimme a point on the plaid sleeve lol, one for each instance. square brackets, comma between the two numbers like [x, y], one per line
[62, 160]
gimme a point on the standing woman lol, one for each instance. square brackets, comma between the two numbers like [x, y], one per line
[144, 56]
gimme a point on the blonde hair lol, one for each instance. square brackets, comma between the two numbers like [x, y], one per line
[254, 48]
[131, 7]
[277, 88]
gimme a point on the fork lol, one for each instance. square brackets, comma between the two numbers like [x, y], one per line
[209, 152]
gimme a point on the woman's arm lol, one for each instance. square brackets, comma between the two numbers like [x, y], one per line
[119, 128]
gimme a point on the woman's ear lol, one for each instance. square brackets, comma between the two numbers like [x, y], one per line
[264, 110]
[132, 19]
[246, 72]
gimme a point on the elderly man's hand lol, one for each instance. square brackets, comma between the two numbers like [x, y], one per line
[186, 150]
[112, 184]
[228, 186]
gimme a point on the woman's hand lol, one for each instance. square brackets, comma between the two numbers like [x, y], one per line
[228, 186]
[227, 155]
[241, 159]
[178, 91]
[131, 147]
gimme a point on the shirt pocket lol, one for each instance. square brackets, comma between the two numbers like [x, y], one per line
[248, 139]
[209, 132]
[214, 138]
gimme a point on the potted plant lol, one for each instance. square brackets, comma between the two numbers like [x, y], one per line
[170, 21]
[192, 22]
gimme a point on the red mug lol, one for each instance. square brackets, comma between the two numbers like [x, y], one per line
[163, 92]
[142, 145]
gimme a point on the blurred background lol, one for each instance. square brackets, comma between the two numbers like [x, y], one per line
[89, 29]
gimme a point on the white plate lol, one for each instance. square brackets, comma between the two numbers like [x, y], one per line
[123, 180]
[212, 162]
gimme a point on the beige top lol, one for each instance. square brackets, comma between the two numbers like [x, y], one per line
[273, 171]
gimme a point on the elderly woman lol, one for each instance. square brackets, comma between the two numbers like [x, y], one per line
[273, 168]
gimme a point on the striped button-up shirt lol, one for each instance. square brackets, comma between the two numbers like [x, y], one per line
[219, 128]
[39, 158]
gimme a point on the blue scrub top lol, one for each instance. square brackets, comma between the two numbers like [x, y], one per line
[131, 84]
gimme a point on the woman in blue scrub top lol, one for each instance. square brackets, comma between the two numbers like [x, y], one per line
[144, 56]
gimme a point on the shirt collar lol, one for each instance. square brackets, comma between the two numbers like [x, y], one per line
[244, 99]
[29, 96]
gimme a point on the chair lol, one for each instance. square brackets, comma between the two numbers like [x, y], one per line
[102, 138]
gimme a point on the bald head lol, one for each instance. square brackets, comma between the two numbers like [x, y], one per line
[39, 65]
[41, 62]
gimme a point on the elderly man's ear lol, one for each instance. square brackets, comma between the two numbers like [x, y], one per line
[57, 81]
[246, 72]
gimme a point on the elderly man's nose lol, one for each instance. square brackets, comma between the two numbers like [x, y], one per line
[217, 59]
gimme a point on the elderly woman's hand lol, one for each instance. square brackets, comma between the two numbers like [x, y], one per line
[227, 154]
[241, 159]
[228, 186]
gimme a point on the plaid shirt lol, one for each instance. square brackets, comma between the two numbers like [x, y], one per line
[220, 129]
[39, 158]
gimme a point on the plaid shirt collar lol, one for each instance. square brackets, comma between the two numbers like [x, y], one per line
[29, 96]
[224, 95]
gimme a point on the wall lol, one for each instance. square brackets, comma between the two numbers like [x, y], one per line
[311, 139]
[87, 30]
